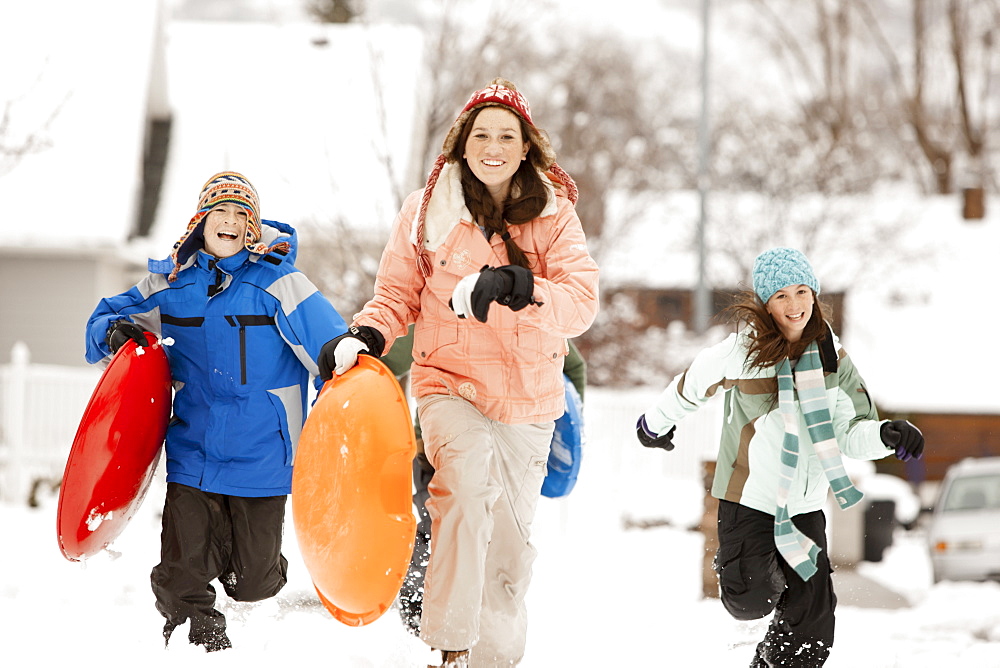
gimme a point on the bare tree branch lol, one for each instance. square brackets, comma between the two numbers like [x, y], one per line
[334, 11]
[939, 154]
[15, 145]
[791, 45]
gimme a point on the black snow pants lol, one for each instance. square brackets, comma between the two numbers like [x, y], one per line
[755, 580]
[206, 536]
[411, 594]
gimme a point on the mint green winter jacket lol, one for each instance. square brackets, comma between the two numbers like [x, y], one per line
[748, 463]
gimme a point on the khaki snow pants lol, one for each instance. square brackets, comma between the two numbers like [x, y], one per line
[487, 480]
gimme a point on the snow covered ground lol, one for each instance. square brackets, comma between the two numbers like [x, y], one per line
[602, 595]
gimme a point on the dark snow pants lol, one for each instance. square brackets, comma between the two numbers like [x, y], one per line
[411, 594]
[754, 581]
[207, 536]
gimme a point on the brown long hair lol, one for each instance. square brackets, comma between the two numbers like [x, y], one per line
[525, 201]
[768, 346]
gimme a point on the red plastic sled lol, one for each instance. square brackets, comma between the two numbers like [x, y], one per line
[351, 492]
[116, 449]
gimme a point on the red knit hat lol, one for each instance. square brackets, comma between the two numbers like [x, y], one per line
[499, 93]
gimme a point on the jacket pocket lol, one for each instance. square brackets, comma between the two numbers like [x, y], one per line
[525, 500]
[450, 265]
[243, 322]
[281, 413]
[727, 565]
[432, 337]
[536, 345]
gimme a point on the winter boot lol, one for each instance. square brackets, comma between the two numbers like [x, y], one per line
[213, 639]
[209, 632]
[409, 612]
[411, 600]
[168, 630]
[453, 659]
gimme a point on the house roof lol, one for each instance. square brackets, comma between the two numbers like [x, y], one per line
[924, 337]
[292, 105]
[76, 64]
[319, 117]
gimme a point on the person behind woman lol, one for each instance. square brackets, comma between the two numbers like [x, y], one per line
[795, 403]
[490, 263]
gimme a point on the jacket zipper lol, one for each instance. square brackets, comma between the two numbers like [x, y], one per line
[233, 321]
[245, 321]
[243, 354]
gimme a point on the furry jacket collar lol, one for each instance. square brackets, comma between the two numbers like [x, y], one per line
[447, 207]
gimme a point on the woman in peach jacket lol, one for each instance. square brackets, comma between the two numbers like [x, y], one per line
[490, 263]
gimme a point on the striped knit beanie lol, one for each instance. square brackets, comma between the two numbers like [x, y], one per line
[222, 187]
[778, 268]
[499, 93]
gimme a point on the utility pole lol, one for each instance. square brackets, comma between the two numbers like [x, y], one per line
[702, 295]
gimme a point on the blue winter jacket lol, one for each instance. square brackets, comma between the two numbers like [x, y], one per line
[246, 331]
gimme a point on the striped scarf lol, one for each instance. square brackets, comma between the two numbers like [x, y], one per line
[809, 383]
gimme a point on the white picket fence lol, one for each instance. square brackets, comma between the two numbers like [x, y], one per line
[41, 407]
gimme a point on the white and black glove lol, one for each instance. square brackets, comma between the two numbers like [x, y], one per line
[340, 354]
[510, 285]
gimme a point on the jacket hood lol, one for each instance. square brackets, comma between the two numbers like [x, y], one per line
[272, 233]
[277, 236]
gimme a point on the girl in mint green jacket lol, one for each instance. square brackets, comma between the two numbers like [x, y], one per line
[794, 404]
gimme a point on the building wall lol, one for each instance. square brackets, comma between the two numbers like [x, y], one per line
[949, 438]
[46, 297]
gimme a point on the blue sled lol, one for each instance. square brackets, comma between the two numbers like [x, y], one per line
[567, 447]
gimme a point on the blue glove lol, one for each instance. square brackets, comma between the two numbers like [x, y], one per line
[650, 439]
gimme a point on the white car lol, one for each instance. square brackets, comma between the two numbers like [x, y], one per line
[964, 532]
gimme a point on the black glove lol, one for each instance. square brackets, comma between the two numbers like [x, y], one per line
[371, 337]
[651, 440]
[121, 331]
[509, 285]
[904, 438]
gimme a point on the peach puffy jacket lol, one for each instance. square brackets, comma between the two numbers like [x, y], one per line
[510, 367]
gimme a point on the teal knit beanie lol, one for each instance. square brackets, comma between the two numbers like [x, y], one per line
[780, 267]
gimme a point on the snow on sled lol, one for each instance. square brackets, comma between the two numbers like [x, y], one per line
[351, 492]
[115, 451]
[566, 451]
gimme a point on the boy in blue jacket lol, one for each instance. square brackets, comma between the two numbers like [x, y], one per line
[247, 329]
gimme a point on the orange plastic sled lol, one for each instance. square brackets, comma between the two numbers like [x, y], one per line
[351, 492]
[115, 451]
